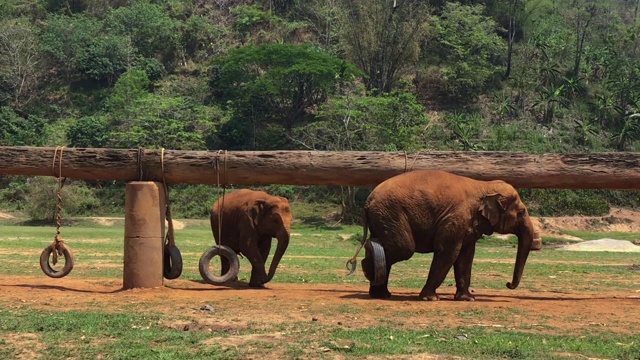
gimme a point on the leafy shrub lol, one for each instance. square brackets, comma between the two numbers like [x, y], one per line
[288, 191]
[42, 198]
[19, 131]
[88, 131]
[559, 202]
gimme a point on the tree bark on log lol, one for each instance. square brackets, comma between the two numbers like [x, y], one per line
[619, 170]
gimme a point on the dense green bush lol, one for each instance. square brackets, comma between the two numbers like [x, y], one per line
[42, 198]
[555, 202]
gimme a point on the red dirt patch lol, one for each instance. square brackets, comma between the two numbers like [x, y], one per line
[346, 305]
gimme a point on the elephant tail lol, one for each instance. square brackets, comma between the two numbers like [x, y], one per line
[353, 263]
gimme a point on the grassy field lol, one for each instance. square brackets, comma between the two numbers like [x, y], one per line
[312, 309]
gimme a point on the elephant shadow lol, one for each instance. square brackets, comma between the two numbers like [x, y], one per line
[232, 285]
[486, 298]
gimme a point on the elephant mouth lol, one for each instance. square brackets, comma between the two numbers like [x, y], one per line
[379, 262]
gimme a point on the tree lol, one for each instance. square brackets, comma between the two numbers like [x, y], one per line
[629, 131]
[151, 30]
[324, 19]
[64, 38]
[20, 63]
[89, 131]
[19, 131]
[549, 98]
[389, 122]
[582, 13]
[464, 44]
[382, 38]
[106, 57]
[280, 84]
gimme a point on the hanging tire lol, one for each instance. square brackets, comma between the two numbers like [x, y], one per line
[379, 262]
[172, 262]
[46, 266]
[222, 251]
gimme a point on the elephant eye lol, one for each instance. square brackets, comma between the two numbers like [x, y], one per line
[521, 214]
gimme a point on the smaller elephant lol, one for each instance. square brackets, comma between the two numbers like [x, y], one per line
[250, 219]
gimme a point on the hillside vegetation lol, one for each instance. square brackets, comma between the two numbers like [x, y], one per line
[513, 75]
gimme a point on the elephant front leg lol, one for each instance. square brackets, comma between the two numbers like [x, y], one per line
[258, 273]
[462, 271]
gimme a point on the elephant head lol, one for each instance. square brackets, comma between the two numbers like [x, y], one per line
[272, 217]
[505, 213]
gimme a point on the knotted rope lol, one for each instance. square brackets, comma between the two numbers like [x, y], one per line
[58, 241]
[224, 188]
[169, 238]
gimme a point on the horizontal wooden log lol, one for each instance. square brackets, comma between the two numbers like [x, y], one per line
[620, 170]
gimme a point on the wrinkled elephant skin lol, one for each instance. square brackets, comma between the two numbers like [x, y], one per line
[434, 211]
[249, 220]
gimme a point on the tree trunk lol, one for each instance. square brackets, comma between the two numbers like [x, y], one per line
[345, 168]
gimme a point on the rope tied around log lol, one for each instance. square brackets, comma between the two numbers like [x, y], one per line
[224, 188]
[58, 247]
[139, 161]
[406, 161]
[170, 237]
[58, 214]
[233, 264]
[172, 263]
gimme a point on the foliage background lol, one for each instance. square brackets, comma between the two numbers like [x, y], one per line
[517, 75]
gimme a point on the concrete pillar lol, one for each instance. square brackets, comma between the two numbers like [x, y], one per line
[144, 229]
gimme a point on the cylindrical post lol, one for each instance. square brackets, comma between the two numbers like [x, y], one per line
[145, 206]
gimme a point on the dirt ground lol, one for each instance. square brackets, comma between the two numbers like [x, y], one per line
[234, 309]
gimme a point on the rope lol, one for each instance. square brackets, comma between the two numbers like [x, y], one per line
[58, 241]
[406, 160]
[140, 155]
[224, 188]
[169, 239]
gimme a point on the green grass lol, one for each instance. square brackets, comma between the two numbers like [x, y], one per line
[474, 342]
[316, 255]
[91, 335]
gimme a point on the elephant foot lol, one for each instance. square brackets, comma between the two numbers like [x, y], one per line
[379, 293]
[429, 296]
[257, 285]
[464, 296]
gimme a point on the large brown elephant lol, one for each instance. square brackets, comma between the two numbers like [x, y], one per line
[250, 219]
[435, 211]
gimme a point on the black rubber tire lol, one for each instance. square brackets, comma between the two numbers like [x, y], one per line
[46, 266]
[222, 251]
[379, 262]
[172, 262]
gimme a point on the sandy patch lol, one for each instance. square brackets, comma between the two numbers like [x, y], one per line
[603, 245]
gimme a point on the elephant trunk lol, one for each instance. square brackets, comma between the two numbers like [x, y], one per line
[283, 243]
[525, 238]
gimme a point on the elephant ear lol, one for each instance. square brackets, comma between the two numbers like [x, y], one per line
[257, 210]
[491, 206]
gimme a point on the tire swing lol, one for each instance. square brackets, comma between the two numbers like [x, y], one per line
[223, 252]
[219, 250]
[379, 262]
[58, 247]
[172, 258]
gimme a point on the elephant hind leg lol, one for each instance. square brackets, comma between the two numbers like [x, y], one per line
[380, 291]
[443, 260]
